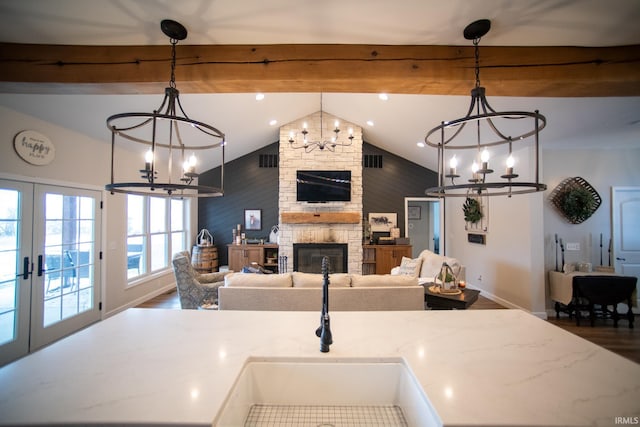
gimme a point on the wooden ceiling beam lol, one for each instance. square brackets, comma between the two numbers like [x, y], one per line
[435, 70]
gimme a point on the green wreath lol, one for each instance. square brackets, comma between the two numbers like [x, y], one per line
[472, 210]
[577, 204]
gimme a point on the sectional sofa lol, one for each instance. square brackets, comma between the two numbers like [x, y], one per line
[303, 292]
[400, 290]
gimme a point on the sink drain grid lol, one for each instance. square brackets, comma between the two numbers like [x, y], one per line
[314, 416]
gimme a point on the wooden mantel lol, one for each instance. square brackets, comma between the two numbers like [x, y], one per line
[320, 217]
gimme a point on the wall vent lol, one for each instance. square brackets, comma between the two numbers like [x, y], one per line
[268, 160]
[373, 161]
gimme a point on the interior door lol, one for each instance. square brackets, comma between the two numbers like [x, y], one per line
[625, 202]
[423, 224]
[50, 282]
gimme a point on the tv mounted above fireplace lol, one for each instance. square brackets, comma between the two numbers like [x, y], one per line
[323, 186]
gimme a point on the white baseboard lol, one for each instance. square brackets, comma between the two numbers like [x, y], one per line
[509, 304]
[140, 300]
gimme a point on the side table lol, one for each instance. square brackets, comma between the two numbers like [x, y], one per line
[461, 301]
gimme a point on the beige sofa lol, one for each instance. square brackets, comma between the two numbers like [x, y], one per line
[303, 292]
[427, 266]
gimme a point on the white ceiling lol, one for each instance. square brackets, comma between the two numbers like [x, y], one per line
[399, 122]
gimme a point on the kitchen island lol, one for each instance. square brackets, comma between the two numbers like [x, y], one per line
[478, 367]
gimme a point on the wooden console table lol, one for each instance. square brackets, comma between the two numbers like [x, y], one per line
[380, 259]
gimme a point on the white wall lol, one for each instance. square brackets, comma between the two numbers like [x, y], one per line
[509, 267]
[603, 168]
[512, 267]
[83, 162]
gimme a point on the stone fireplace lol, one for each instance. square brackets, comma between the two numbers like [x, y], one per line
[348, 233]
[307, 257]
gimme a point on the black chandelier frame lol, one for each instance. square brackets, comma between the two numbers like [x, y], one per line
[481, 111]
[170, 110]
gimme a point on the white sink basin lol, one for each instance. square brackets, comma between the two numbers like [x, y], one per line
[336, 388]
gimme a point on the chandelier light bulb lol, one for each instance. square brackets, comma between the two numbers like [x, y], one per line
[350, 131]
[148, 159]
[189, 165]
[453, 164]
[484, 156]
[510, 162]
[336, 124]
[474, 168]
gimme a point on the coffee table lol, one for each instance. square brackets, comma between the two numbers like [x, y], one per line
[461, 301]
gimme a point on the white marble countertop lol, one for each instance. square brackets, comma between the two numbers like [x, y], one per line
[478, 367]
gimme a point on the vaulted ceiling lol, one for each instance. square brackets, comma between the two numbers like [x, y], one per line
[75, 62]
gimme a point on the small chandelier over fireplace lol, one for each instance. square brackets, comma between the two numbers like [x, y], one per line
[309, 144]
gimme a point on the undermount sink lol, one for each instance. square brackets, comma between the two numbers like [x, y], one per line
[309, 391]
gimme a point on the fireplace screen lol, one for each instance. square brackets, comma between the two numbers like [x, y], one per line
[307, 257]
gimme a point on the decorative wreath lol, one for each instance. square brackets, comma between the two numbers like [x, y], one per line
[472, 210]
[575, 199]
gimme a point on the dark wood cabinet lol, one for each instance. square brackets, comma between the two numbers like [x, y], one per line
[243, 255]
[380, 259]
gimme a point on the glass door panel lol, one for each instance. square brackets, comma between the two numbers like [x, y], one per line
[15, 268]
[49, 264]
[66, 292]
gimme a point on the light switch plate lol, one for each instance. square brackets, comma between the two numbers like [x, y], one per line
[573, 246]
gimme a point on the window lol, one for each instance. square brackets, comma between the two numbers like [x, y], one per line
[156, 228]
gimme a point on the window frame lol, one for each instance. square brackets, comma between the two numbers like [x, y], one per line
[146, 234]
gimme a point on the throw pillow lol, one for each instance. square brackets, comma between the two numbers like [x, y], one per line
[410, 267]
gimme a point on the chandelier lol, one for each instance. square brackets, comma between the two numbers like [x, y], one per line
[488, 129]
[322, 143]
[169, 160]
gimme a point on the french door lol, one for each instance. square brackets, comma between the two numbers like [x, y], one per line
[49, 264]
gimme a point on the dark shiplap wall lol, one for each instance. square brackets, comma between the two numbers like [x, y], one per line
[248, 186]
[384, 189]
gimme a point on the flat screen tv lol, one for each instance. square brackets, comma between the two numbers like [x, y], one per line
[323, 186]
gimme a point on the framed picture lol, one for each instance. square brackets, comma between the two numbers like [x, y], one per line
[414, 212]
[253, 219]
[383, 221]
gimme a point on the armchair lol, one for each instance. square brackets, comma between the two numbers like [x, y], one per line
[195, 290]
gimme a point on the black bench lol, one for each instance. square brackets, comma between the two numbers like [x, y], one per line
[604, 291]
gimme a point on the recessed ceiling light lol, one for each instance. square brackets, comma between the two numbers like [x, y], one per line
[370, 122]
[273, 122]
[420, 144]
[383, 96]
[259, 96]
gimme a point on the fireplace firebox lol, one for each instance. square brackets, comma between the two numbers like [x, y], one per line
[307, 257]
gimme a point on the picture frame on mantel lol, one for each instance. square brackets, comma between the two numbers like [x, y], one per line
[253, 219]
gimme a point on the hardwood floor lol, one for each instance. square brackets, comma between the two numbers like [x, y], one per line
[620, 340]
